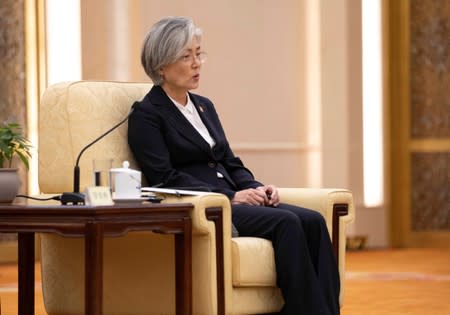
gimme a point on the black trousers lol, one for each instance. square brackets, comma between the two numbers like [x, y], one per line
[307, 272]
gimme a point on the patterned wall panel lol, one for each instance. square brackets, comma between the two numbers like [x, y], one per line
[430, 197]
[430, 68]
[12, 61]
[12, 68]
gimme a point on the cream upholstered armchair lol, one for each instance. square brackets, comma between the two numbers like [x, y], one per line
[236, 275]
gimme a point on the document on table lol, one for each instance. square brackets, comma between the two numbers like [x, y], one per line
[174, 191]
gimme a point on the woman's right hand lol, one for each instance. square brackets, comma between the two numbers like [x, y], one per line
[250, 196]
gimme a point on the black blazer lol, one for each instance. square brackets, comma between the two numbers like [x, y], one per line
[169, 150]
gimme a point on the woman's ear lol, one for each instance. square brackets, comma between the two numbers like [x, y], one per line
[161, 73]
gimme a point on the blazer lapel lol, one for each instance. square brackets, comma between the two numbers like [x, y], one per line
[201, 109]
[176, 118]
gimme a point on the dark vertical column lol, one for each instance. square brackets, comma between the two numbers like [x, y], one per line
[26, 274]
[215, 215]
[183, 269]
[94, 269]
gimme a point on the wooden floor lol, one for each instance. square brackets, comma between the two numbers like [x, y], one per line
[402, 281]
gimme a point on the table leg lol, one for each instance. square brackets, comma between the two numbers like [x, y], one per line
[94, 269]
[215, 215]
[183, 270]
[26, 273]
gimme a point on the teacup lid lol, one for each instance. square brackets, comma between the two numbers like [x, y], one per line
[125, 169]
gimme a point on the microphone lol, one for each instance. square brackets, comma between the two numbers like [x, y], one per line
[75, 197]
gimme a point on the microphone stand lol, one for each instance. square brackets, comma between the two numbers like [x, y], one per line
[75, 197]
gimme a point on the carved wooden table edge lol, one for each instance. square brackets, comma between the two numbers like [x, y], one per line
[94, 223]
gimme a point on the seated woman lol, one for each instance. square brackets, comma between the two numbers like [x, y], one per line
[177, 139]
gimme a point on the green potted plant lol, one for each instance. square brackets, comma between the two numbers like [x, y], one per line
[13, 146]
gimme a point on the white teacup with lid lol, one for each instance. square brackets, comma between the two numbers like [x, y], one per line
[126, 182]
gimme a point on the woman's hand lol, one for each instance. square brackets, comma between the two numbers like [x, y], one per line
[271, 192]
[251, 196]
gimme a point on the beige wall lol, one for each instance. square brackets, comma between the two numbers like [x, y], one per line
[255, 71]
[285, 77]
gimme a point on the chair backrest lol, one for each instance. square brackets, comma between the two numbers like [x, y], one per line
[71, 115]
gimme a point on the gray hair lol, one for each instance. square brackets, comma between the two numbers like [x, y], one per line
[164, 44]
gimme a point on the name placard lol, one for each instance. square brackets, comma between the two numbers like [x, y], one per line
[99, 196]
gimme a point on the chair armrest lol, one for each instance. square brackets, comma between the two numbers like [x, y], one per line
[320, 199]
[336, 205]
[200, 223]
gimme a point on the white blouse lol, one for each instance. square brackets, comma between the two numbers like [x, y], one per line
[190, 112]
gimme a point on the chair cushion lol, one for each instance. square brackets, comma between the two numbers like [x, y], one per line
[253, 262]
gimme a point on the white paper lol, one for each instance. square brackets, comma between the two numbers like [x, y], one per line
[177, 192]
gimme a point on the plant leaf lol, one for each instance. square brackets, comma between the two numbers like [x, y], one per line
[24, 159]
[12, 142]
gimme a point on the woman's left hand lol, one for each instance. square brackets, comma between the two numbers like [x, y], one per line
[272, 195]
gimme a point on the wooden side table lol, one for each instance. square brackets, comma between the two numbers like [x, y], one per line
[93, 223]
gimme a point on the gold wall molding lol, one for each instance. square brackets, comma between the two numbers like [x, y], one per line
[396, 40]
[36, 81]
[430, 145]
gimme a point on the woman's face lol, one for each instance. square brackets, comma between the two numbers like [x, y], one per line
[183, 74]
